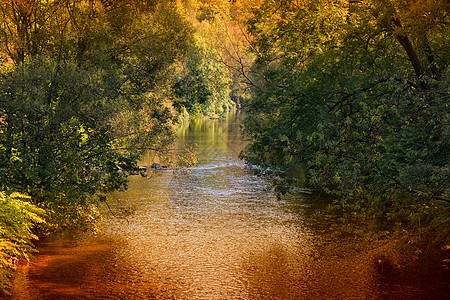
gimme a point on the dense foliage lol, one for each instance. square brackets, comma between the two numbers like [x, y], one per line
[17, 219]
[85, 88]
[356, 93]
[211, 81]
[204, 87]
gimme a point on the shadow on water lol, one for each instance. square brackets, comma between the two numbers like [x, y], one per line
[214, 232]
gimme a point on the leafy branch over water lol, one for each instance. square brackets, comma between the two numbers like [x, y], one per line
[17, 220]
[356, 93]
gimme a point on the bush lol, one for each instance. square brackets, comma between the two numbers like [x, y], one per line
[17, 220]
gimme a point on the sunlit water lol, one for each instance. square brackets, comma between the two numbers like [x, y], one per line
[210, 232]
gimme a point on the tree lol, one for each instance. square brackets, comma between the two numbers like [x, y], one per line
[92, 96]
[205, 86]
[220, 23]
[26, 25]
[57, 139]
[355, 92]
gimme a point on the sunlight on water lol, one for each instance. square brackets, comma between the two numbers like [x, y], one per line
[214, 232]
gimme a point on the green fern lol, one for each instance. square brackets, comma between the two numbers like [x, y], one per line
[17, 220]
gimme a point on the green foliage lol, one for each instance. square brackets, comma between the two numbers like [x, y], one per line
[205, 86]
[150, 45]
[17, 219]
[63, 216]
[219, 23]
[57, 137]
[360, 100]
[84, 91]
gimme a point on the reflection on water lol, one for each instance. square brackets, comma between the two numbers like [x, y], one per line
[211, 233]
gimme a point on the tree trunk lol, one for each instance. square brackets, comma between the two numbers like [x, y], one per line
[430, 57]
[409, 48]
[406, 43]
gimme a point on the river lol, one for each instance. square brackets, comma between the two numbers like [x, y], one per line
[212, 231]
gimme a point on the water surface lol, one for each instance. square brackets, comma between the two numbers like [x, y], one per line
[213, 231]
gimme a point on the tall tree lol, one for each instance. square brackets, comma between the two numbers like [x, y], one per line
[205, 86]
[88, 93]
[26, 24]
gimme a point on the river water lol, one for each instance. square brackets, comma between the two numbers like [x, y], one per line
[212, 231]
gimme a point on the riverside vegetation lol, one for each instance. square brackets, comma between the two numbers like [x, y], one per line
[351, 95]
[356, 94]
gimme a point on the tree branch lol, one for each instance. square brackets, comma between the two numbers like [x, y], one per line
[408, 188]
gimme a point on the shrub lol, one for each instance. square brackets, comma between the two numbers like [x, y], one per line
[17, 220]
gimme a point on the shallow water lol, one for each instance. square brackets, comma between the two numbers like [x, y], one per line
[213, 231]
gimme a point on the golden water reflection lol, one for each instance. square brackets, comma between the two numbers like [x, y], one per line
[214, 232]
